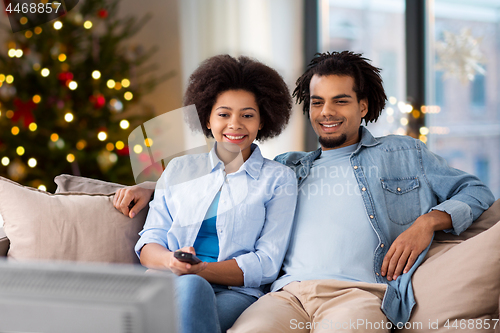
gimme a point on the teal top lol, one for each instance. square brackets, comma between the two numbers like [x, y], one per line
[206, 244]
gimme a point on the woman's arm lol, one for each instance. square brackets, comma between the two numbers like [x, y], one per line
[225, 272]
[156, 256]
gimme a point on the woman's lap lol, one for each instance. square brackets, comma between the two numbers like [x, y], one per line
[203, 307]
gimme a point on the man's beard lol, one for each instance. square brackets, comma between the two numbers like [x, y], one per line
[331, 143]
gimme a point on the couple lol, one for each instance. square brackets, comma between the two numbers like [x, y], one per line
[364, 212]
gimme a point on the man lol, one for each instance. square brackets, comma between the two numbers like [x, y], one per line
[366, 212]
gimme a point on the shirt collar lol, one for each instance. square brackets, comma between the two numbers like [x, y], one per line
[252, 165]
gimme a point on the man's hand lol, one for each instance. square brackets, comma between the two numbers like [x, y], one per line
[406, 248]
[182, 268]
[131, 200]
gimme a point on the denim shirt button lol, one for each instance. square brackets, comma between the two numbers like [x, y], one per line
[399, 189]
[371, 216]
[355, 167]
[377, 274]
[382, 245]
[363, 189]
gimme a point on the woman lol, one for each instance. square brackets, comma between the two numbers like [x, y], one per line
[237, 216]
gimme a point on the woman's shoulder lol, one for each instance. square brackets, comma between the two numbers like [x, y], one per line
[275, 168]
[190, 165]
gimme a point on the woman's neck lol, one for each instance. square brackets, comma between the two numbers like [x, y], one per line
[231, 156]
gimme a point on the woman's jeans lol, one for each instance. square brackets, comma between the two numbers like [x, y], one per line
[204, 307]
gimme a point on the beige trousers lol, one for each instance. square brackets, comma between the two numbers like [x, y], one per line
[317, 306]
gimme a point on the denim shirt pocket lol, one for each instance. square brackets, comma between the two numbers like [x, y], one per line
[248, 221]
[402, 199]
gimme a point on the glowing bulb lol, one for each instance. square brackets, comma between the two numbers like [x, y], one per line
[80, 145]
[12, 53]
[5, 161]
[32, 162]
[128, 96]
[389, 111]
[20, 151]
[28, 34]
[73, 85]
[62, 57]
[38, 30]
[36, 99]
[19, 53]
[69, 117]
[393, 100]
[110, 146]
[137, 149]
[125, 83]
[403, 121]
[102, 136]
[42, 188]
[118, 85]
[424, 130]
[58, 25]
[87, 24]
[148, 142]
[113, 158]
[9, 114]
[119, 145]
[110, 84]
[23, 20]
[70, 158]
[96, 75]
[54, 137]
[45, 72]
[33, 127]
[124, 124]
[15, 130]
[9, 79]
[2, 77]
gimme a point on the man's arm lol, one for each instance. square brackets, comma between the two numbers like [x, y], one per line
[131, 200]
[461, 198]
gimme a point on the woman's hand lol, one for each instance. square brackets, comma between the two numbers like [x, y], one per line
[132, 199]
[182, 268]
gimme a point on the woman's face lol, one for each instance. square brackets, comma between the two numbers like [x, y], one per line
[235, 119]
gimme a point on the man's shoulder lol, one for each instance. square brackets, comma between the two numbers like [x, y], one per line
[394, 142]
[292, 157]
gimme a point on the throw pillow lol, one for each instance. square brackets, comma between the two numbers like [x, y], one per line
[66, 226]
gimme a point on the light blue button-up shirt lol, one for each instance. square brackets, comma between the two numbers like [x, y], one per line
[399, 180]
[254, 215]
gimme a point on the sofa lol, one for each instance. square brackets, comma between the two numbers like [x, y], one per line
[457, 287]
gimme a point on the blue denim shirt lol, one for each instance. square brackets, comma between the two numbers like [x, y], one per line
[254, 215]
[399, 180]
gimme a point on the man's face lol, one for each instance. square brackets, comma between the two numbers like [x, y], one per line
[335, 112]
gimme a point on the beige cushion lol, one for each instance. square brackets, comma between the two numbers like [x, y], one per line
[459, 280]
[66, 226]
[68, 183]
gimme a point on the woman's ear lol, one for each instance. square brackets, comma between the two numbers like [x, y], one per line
[208, 124]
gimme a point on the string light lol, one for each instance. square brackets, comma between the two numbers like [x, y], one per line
[424, 130]
[148, 142]
[80, 145]
[393, 100]
[58, 25]
[19, 53]
[54, 137]
[32, 162]
[119, 145]
[5, 161]
[96, 74]
[128, 96]
[2, 77]
[110, 146]
[423, 138]
[20, 151]
[9, 79]
[69, 117]
[403, 121]
[28, 34]
[33, 127]
[70, 158]
[38, 30]
[124, 124]
[102, 136]
[113, 158]
[137, 149]
[73, 85]
[36, 99]
[110, 84]
[42, 188]
[125, 83]
[23, 20]
[12, 53]
[62, 57]
[15, 130]
[118, 85]
[87, 24]
[9, 114]
[45, 72]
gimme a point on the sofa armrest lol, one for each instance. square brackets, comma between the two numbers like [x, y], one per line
[4, 243]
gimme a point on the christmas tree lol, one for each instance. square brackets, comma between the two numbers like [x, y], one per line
[65, 89]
